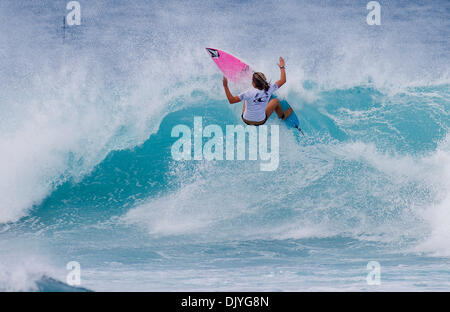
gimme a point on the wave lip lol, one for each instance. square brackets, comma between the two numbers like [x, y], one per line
[20, 272]
[49, 284]
[26, 282]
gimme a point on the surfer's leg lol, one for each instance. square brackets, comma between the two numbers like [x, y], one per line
[274, 105]
[287, 113]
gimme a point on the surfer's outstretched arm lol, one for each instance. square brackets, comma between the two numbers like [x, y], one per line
[232, 99]
[282, 80]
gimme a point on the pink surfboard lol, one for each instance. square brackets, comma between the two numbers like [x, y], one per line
[232, 68]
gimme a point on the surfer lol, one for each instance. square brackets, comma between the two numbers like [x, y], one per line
[257, 103]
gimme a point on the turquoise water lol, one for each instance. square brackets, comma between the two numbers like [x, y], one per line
[88, 175]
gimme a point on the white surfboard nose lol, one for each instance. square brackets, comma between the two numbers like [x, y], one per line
[214, 53]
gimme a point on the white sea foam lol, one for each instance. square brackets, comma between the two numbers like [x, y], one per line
[437, 214]
[19, 272]
[390, 198]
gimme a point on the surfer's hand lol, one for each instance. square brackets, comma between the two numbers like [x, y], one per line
[281, 64]
[225, 81]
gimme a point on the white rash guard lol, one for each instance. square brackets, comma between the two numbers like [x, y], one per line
[256, 102]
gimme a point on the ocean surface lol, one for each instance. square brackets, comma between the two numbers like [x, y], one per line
[87, 175]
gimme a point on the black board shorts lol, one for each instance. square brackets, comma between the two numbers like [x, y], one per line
[253, 123]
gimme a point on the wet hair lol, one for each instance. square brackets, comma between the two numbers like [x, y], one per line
[260, 81]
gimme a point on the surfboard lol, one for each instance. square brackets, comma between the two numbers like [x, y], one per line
[292, 120]
[232, 67]
[239, 72]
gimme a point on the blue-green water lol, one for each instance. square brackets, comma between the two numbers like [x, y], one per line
[87, 173]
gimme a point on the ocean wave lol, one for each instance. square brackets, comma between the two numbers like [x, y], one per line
[86, 119]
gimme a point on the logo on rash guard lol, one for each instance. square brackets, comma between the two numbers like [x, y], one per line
[263, 98]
